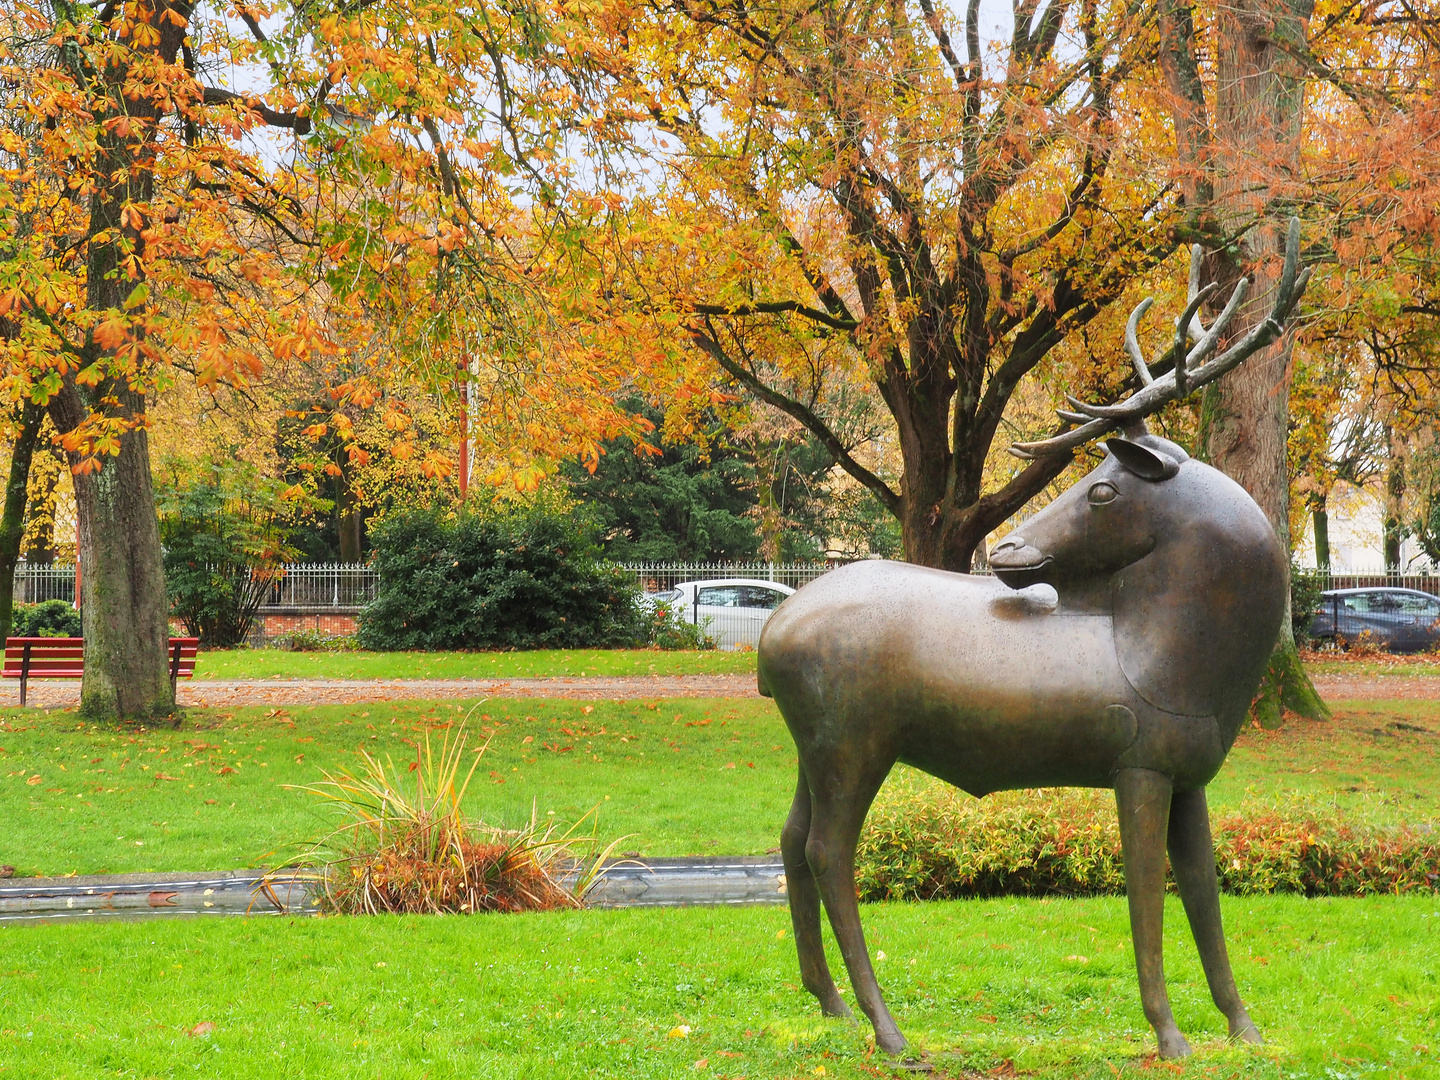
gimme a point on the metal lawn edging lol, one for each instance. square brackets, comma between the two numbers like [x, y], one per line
[660, 882]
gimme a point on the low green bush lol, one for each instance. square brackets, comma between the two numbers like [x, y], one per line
[50, 618]
[663, 628]
[315, 641]
[497, 575]
[1306, 587]
[927, 843]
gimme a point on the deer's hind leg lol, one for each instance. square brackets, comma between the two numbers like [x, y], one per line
[1192, 858]
[840, 802]
[804, 896]
[1143, 799]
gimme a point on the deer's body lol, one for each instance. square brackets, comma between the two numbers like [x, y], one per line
[980, 686]
[1169, 587]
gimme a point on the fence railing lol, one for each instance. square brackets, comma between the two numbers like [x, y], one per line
[36, 584]
[1423, 582]
[323, 585]
[660, 576]
[302, 586]
[350, 586]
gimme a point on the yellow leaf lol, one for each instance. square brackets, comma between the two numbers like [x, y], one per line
[113, 332]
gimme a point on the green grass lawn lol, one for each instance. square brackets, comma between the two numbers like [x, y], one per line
[681, 776]
[534, 664]
[1341, 988]
[1340, 663]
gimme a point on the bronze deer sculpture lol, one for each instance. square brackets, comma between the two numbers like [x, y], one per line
[1169, 584]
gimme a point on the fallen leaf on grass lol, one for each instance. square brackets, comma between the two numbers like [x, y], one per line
[205, 1027]
[36, 779]
[7, 871]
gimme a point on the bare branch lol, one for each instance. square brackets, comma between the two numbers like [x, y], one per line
[780, 307]
[299, 124]
[712, 348]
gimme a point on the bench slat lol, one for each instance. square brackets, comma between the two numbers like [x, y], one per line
[63, 658]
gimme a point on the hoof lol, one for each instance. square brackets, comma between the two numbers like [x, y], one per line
[1173, 1045]
[892, 1042]
[1246, 1031]
[835, 1006]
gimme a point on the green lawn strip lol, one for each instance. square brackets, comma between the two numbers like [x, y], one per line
[1387, 665]
[686, 776]
[537, 664]
[680, 776]
[1341, 988]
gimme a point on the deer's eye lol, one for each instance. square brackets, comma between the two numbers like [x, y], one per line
[1102, 493]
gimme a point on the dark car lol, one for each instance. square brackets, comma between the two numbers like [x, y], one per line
[1402, 620]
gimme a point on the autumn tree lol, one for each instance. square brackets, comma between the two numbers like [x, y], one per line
[150, 229]
[825, 193]
[1251, 148]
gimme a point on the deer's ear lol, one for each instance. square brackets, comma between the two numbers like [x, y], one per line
[1141, 460]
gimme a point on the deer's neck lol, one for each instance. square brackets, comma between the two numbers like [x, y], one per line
[1193, 629]
[1090, 596]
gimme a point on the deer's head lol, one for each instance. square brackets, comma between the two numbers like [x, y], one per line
[1110, 519]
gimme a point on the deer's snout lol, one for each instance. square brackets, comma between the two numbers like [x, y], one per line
[1018, 563]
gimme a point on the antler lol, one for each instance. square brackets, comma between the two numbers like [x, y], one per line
[1191, 370]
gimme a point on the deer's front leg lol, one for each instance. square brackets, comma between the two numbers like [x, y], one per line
[1192, 856]
[1143, 798]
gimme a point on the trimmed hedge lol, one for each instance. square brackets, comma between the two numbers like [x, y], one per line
[497, 576]
[936, 843]
[49, 618]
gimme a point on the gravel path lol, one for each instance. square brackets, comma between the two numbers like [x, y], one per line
[230, 693]
[1377, 687]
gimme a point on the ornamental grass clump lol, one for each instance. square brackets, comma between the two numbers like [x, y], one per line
[928, 842]
[406, 846]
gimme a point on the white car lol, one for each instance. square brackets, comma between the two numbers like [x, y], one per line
[730, 610]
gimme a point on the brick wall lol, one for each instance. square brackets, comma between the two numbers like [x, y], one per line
[324, 622]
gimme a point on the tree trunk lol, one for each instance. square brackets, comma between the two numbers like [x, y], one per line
[1394, 528]
[1320, 518]
[12, 522]
[124, 609]
[1258, 99]
[347, 519]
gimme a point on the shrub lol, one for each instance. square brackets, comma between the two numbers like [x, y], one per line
[406, 846]
[497, 576]
[50, 618]
[923, 843]
[226, 536]
[1306, 587]
[315, 641]
[665, 629]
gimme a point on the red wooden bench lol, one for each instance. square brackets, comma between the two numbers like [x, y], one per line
[29, 658]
